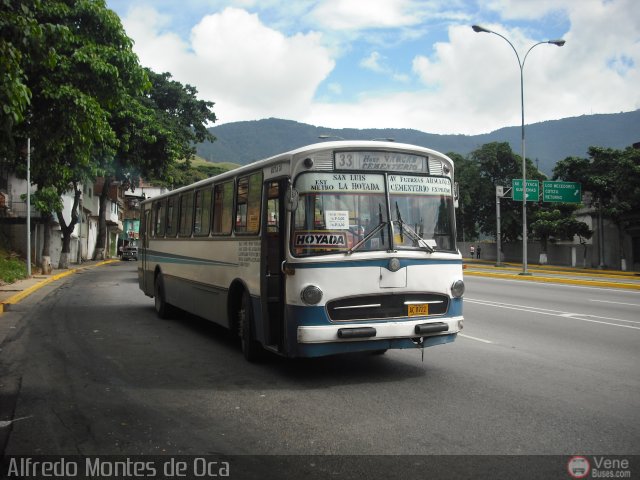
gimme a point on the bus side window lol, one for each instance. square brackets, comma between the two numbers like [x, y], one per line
[222, 208]
[172, 212]
[186, 214]
[248, 200]
[159, 218]
[202, 218]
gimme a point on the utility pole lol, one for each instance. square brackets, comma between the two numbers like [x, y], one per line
[29, 207]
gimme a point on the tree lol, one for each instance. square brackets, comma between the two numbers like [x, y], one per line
[493, 164]
[557, 222]
[20, 37]
[612, 177]
[156, 130]
[91, 67]
[466, 175]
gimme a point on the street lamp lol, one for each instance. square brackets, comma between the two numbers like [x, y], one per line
[559, 43]
[326, 137]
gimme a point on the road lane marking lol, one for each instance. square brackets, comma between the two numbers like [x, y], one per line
[556, 313]
[617, 303]
[474, 338]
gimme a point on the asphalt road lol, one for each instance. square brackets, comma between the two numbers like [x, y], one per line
[539, 369]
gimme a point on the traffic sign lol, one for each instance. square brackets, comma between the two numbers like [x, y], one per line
[533, 190]
[563, 192]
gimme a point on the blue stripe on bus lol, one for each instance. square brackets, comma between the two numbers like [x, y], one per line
[404, 262]
[154, 256]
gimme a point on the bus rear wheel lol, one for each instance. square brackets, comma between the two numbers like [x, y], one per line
[251, 349]
[163, 309]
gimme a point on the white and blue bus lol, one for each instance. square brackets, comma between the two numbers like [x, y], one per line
[332, 248]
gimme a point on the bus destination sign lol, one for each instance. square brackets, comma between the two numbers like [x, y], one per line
[380, 161]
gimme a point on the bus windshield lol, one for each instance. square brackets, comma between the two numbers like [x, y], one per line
[347, 212]
[422, 212]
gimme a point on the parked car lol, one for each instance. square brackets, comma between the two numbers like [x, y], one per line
[130, 253]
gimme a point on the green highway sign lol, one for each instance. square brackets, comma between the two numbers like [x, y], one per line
[533, 190]
[562, 192]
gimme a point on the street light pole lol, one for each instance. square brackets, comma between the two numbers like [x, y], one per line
[29, 207]
[559, 43]
[328, 137]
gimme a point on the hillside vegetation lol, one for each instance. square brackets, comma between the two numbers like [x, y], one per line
[546, 142]
[185, 173]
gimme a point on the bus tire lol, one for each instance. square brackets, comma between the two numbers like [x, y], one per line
[163, 309]
[251, 349]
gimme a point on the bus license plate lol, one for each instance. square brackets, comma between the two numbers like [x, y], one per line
[419, 310]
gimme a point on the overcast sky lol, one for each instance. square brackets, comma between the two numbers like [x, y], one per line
[394, 63]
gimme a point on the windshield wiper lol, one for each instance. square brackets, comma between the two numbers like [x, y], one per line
[367, 237]
[411, 232]
[372, 233]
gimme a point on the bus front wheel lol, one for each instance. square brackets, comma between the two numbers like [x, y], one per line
[251, 349]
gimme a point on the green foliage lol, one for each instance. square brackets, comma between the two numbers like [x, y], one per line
[185, 173]
[89, 107]
[466, 174]
[611, 176]
[558, 222]
[69, 116]
[491, 165]
[21, 41]
[180, 118]
[12, 268]
[546, 141]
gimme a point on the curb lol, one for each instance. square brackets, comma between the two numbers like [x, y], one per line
[18, 297]
[570, 281]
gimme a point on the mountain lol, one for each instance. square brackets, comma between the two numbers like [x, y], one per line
[546, 142]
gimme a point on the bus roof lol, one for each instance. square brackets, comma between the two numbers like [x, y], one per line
[309, 149]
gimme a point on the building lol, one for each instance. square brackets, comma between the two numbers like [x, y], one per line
[13, 213]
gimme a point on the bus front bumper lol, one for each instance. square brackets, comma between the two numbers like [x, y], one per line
[349, 332]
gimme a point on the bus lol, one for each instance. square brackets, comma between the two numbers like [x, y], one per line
[336, 247]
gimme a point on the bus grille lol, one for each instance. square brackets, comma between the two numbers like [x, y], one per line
[379, 307]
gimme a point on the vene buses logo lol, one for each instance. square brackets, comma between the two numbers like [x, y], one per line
[578, 467]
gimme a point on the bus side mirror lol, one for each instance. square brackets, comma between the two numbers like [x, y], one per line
[456, 194]
[292, 200]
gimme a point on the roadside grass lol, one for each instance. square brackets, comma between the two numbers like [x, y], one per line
[12, 267]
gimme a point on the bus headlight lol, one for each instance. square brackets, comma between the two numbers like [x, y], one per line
[311, 295]
[457, 289]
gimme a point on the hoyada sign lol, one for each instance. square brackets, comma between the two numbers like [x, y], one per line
[320, 240]
[340, 183]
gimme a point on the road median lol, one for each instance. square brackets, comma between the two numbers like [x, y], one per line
[562, 275]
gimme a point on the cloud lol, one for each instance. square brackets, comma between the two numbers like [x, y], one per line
[372, 62]
[466, 82]
[249, 70]
[335, 88]
[354, 15]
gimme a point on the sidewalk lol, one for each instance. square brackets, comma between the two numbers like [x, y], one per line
[554, 274]
[15, 292]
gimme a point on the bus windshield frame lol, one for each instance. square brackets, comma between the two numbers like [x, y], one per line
[345, 212]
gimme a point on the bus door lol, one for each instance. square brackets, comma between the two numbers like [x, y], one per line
[273, 251]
